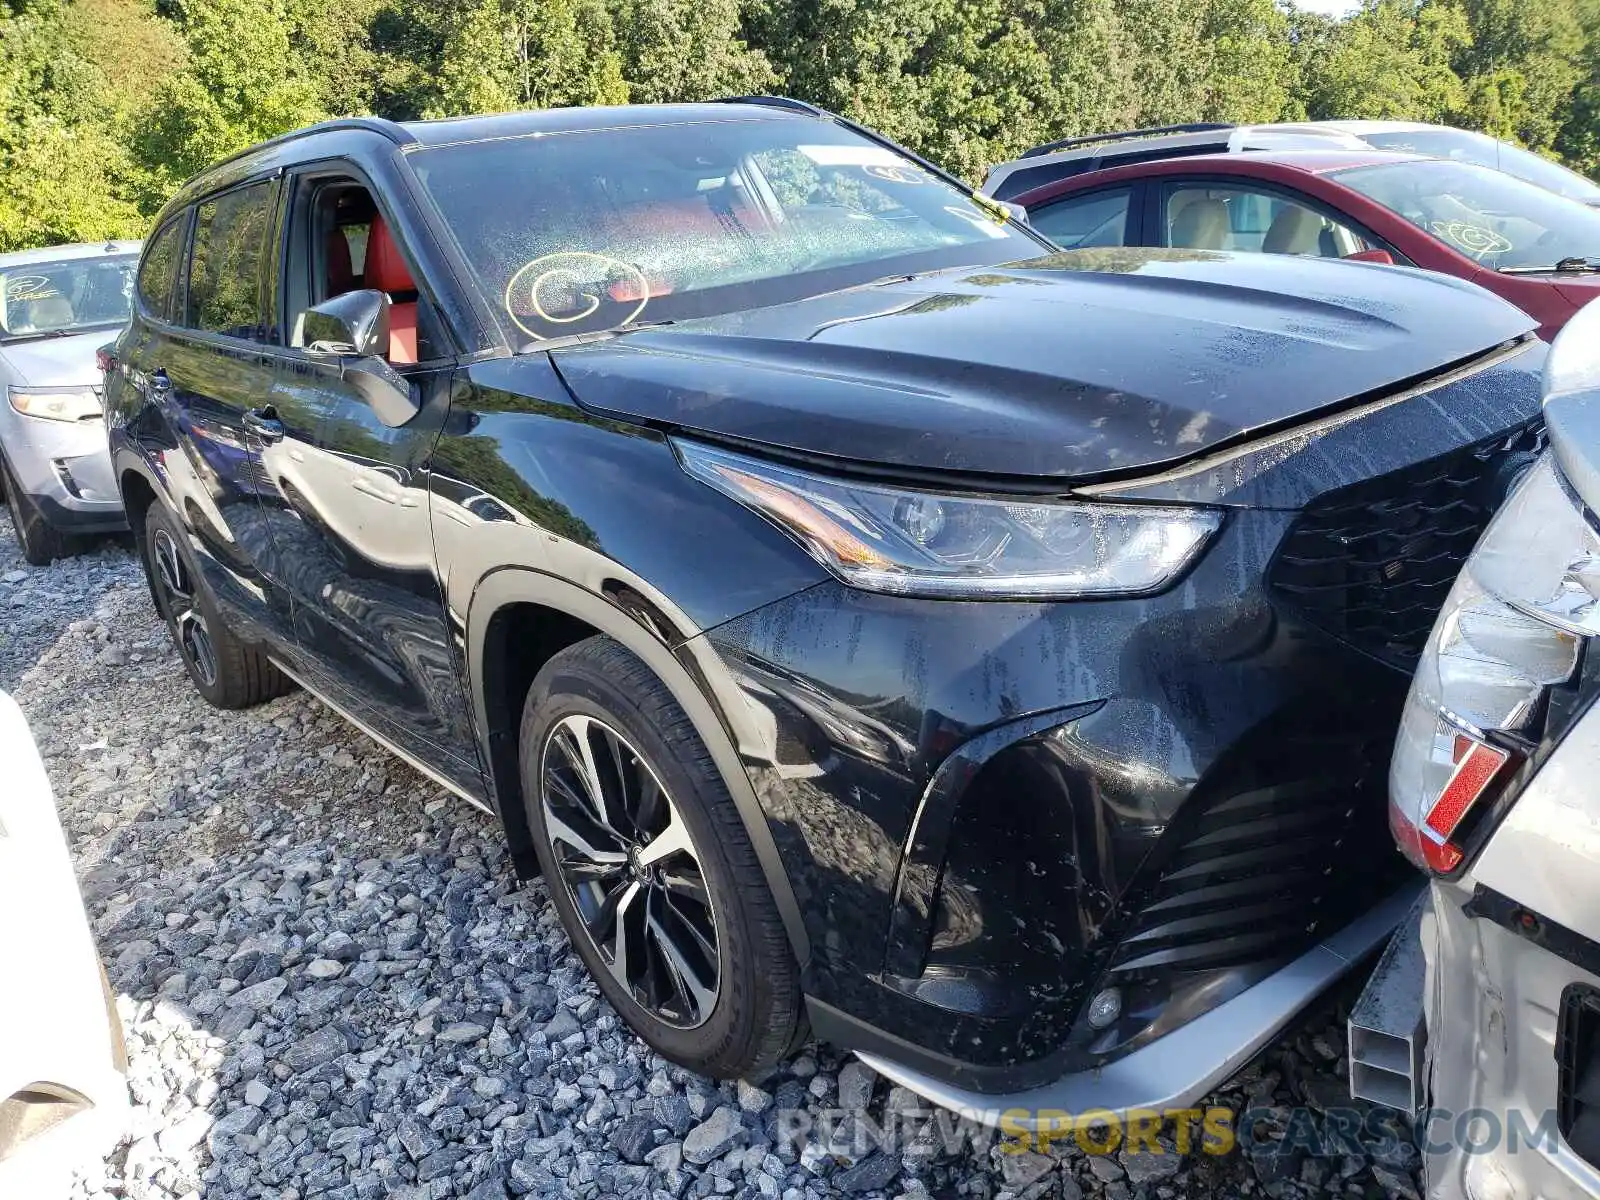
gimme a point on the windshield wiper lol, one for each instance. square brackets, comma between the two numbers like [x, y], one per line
[41, 335]
[593, 335]
[1574, 264]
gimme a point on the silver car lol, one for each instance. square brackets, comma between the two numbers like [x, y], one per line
[57, 306]
[1484, 1016]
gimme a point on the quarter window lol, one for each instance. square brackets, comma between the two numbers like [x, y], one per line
[1078, 222]
[230, 247]
[1235, 218]
[158, 273]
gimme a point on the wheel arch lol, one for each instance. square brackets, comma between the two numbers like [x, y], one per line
[519, 617]
[139, 490]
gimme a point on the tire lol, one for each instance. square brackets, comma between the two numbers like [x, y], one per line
[598, 689]
[42, 543]
[225, 671]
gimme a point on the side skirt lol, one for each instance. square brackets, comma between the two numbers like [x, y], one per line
[409, 759]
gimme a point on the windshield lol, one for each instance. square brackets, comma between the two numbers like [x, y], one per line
[580, 232]
[1494, 218]
[1463, 145]
[59, 298]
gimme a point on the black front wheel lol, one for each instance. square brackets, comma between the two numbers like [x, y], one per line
[650, 866]
[41, 542]
[226, 672]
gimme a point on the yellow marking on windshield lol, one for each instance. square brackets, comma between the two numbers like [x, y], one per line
[549, 270]
[30, 287]
[1475, 240]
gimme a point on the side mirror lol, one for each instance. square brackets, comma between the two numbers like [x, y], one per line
[354, 329]
[353, 323]
[1377, 256]
[387, 392]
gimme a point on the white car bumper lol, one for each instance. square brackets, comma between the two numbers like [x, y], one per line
[63, 1097]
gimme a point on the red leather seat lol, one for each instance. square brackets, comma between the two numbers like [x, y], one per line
[386, 271]
[341, 277]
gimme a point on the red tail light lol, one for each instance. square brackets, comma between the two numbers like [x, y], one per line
[1476, 767]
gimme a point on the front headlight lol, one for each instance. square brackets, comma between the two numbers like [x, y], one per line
[1573, 364]
[934, 544]
[1513, 626]
[56, 403]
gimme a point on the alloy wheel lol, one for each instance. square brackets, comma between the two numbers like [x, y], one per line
[630, 868]
[188, 622]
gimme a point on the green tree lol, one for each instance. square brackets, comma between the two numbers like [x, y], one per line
[1521, 68]
[1252, 73]
[675, 50]
[1579, 139]
[68, 176]
[243, 84]
[508, 54]
[107, 105]
[963, 81]
[1391, 60]
[341, 61]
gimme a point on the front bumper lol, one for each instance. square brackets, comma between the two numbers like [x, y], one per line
[993, 814]
[65, 468]
[1185, 1065]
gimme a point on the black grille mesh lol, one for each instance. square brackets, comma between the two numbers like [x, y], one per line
[1260, 875]
[1371, 564]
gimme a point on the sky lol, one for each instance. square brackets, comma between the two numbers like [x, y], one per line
[1334, 8]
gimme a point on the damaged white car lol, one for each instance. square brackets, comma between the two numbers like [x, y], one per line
[1484, 1016]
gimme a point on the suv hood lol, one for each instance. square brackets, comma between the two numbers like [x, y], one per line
[1071, 366]
[57, 361]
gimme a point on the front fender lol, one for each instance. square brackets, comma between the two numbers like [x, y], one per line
[691, 670]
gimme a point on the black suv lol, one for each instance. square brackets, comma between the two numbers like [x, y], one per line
[858, 612]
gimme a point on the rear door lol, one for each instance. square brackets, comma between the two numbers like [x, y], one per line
[1102, 217]
[203, 367]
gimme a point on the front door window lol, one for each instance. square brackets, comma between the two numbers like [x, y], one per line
[1203, 217]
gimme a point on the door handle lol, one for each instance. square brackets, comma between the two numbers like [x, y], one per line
[264, 423]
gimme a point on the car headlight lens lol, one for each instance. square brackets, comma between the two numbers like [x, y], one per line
[1573, 364]
[1513, 626]
[56, 404]
[920, 543]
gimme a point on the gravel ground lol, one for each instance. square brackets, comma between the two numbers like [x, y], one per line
[332, 986]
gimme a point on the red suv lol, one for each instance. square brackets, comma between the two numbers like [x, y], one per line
[1536, 249]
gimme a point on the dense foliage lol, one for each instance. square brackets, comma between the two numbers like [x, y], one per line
[106, 105]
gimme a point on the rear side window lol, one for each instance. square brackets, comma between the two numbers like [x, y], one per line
[230, 248]
[158, 273]
[1098, 219]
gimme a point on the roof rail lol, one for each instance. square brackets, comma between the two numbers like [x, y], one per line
[800, 106]
[1123, 135]
[393, 130]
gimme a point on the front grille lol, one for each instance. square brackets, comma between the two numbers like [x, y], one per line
[1371, 564]
[1260, 875]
